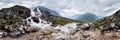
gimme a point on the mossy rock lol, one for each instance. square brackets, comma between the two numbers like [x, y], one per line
[13, 15]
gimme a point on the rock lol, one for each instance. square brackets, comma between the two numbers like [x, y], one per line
[109, 23]
[118, 32]
[15, 34]
[79, 24]
[112, 25]
[47, 32]
[85, 36]
[35, 19]
[29, 20]
[3, 34]
[85, 27]
[21, 29]
[11, 27]
[32, 29]
[117, 13]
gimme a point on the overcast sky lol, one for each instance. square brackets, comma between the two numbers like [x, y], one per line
[70, 7]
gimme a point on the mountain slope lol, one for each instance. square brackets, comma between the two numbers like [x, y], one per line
[109, 23]
[49, 10]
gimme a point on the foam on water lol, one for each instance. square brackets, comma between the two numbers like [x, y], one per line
[41, 23]
[65, 30]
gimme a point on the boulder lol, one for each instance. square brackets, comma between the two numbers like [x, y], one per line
[3, 34]
[35, 19]
[32, 29]
[85, 26]
[15, 34]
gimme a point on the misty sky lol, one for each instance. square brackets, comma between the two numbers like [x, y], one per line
[69, 7]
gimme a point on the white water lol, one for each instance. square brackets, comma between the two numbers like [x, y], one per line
[66, 29]
[41, 24]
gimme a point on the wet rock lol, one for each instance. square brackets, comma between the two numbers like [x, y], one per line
[21, 29]
[29, 20]
[3, 34]
[15, 34]
[54, 25]
[35, 19]
[84, 27]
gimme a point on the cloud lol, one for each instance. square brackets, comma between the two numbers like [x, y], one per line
[70, 7]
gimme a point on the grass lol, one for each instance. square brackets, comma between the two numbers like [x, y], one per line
[56, 20]
[60, 20]
[101, 21]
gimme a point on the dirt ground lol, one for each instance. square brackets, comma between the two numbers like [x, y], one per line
[30, 36]
[80, 35]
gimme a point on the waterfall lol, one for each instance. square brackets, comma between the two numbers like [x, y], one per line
[37, 14]
[65, 30]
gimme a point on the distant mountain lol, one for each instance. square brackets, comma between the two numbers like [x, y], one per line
[75, 16]
[100, 17]
[86, 17]
[53, 12]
